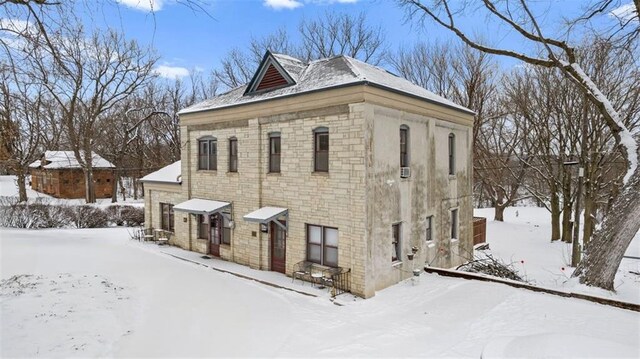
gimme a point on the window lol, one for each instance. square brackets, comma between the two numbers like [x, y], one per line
[429, 228]
[321, 149]
[233, 154]
[226, 228]
[203, 226]
[274, 152]
[396, 251]
[404, 146]
[454, 223]
[322, 245]
[452, 154]
[167, 216]
[207, 154]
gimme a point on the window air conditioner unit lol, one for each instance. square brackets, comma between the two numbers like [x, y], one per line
[405, 172]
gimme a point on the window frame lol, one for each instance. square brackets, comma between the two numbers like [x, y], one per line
[225, 237]
[429, 229]
[202, 222]
[323, 246]
[273, 136]
[404, 152]
[167, 216]
[452, 153]
[317, 133]
[396, 242]
[208, 161]
[233, 157]
[454, 232]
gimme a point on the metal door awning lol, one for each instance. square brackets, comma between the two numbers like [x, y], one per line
[266, 215]
[202, 206]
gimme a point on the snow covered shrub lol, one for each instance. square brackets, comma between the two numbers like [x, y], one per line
[46, 215]
[40, 214]
[114, 212]
[132, 216]
[87, 217]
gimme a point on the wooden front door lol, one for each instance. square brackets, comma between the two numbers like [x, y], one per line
[278, 248]
[215, 233]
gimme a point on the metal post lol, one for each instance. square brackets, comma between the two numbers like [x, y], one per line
[575, 249]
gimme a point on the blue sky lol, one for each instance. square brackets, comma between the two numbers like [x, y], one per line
[187, 39]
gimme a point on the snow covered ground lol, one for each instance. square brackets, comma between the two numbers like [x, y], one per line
[524, 240]
[9, 188]
[94, 292]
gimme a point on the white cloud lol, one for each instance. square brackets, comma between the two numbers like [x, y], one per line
[329, 2]
[625, 12]
[16, 25]
[143, 5]
[282, 4]
[171, 72]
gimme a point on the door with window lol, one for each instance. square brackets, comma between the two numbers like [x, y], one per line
[278, 247]
[215, 235]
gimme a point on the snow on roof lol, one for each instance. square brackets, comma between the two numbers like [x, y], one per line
[202, 206]
[67, 159]
[323, 74]
[265, 214]
[167, 174]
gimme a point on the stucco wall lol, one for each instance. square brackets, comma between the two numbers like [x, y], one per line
[429, 191]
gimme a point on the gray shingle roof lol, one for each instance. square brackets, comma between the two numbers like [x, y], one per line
[339, 71]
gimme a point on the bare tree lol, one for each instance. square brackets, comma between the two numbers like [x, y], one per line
[326, 36]
[21, 103]
[609, 242]
[86, 74]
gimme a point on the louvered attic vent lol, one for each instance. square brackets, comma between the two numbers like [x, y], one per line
[271, 79]
[269, 76]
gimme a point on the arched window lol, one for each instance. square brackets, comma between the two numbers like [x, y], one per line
[207, 153]
[321, 149]
[452, 154]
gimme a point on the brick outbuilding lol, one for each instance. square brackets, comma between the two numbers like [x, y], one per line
[59, 174]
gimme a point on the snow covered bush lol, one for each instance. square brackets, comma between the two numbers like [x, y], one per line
[31, 215]
[114, 212]
[87, 217]
[125, 215]
[132, 216]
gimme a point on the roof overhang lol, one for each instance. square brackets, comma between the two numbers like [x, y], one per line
[266, 215]
[202, 206]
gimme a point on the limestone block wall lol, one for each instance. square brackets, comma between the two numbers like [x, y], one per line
[156, 193]
[333, 199]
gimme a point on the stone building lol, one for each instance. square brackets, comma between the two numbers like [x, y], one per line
[334, 161]
[59, 174]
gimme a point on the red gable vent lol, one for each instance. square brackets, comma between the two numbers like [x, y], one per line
[272, 78]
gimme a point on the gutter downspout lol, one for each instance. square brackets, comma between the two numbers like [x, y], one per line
[260, 170]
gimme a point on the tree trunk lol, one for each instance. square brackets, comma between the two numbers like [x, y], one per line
[90, 190]
[499, 213]
[22, 187]
[555, 216]
[608, 244]
[567, 206]
[589, 212]
[114, 187]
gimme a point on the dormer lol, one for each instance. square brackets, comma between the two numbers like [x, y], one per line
[270, 75]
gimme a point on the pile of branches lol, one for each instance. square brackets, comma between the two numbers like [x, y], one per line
[491, 266]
